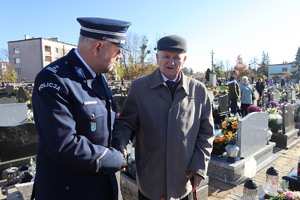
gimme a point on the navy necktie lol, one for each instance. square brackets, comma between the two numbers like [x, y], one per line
[104, 86]
[171, 87]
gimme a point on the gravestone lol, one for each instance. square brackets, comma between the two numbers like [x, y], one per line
[288, 95]
[266, 98]
[213, 79]
[252, 141]
[252, 133]
[223, 104]
[211, 96]
[129, 188]
[18, 141]
[3, 93]
[256, 96]
[293, 96]
[9, 89]
[5, 100]
[275, 96]
[13, 114]
[288, 137]
[21, 95]
[288, 115]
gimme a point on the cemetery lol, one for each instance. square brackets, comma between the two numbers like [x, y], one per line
[244, 148]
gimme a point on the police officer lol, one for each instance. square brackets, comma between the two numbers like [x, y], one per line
[74, 113]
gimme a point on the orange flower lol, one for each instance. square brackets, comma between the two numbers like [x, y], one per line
[232, 118]
[224, 124]
[235, 125]
[216, 140]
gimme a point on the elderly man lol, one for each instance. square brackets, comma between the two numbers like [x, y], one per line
[74, 113]
[171, 118]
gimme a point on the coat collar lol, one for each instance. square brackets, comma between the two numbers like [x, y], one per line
[156, 80]
[83, 74]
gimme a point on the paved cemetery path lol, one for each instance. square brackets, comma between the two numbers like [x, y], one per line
[286, 161]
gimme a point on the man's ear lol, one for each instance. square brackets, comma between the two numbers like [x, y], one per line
[184, 59]
[97, 47]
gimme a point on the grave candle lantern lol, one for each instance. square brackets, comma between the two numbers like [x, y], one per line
[250, 191]
[12, 175]
[271, 185]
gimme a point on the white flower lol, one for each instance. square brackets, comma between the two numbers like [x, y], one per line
[276, 117]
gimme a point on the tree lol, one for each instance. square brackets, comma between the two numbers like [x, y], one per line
[134, 59]
[10, 75]
[263, 67]
[287, 75]
[207, 74]
[219, 69]
[296, 65]
[187, 71]
[4, 55]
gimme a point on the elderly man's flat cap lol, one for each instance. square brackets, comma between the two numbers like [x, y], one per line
[172, 43]
[104, 29]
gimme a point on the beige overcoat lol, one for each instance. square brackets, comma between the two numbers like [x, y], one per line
[172, 136]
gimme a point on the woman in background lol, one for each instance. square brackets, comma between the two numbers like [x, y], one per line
[246, 95]
[260, 86]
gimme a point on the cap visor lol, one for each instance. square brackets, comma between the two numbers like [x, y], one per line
[123, 46]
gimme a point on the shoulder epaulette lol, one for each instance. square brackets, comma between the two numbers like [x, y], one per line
[57, 66]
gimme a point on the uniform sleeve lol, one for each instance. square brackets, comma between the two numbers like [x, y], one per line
[204, 141]
[54, 117]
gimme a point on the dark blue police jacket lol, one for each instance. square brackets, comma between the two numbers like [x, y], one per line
[74, 157]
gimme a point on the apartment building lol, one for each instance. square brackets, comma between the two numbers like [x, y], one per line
[280, 69]
[30, 55]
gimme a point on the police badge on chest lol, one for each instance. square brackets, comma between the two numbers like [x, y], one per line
[93, 126]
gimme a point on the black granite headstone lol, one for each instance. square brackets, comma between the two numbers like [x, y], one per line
[21, 95]
[18, 141]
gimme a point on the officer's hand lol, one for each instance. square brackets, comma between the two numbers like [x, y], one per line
[124, 152]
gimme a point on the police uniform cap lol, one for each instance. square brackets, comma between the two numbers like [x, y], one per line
[104, 29]
[172, 43]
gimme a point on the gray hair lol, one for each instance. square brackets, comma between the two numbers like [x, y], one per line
[245, 79]
[83, 39]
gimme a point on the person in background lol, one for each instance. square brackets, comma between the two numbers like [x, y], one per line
[282, 83]
[170, 115]
[259, 86]
[270, 83]
[233, 92]
[74, 113]
[246, 95]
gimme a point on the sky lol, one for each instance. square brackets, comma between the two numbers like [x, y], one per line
[227, 27]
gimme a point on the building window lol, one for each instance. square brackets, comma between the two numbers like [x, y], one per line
[48, 49]
[56, 49]
[284, 69]
[16, 50]
[18, 70]
[17, 60]
[48, 58]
